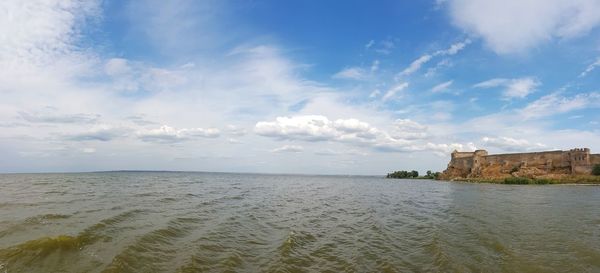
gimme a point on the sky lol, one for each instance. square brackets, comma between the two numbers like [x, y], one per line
[315, 87]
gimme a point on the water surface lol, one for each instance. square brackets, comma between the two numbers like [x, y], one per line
[208, 222]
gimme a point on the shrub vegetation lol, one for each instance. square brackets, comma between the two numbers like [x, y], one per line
[413, 175]
[525, 180]
[403, 174]
[596, 169]
[431, 175]
[517, 180]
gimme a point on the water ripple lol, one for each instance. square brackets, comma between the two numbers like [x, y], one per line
[203, 222]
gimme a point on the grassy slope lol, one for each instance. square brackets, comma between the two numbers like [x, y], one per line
[578, 179]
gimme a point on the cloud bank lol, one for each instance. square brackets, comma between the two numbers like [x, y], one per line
[515, 26]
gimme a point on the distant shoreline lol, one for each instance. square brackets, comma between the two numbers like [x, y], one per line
[207, 172]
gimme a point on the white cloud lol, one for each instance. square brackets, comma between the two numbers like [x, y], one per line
[590, 68]
[356, 73]
[88, 150]
[416, 65]
[385, 47]
[442, 86]
[441, 64]
[317, 128]
[353, 73]
[331, 152]
[394, 90]
[375, 94]
[288, 149]
[117, 66]
[555, 103]
[167, 134]
[235, 130]
[408, 129]
[510, 26]
[50, 115]
[37, 32]
[179, 26]
[419, 62]
[513, 88]
[445, 149]
[102, 132]
[453, 49]
[370, 44]
[492, 83]
[441, 116]
[520, 88]
[405, 135]
[351, 125]
[511, 144]
[129, 76]
[310, 128]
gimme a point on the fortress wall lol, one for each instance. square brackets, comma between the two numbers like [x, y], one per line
[595, 159]
[582, 169]
[539, 159]
[475, 164]
[459, 167]
[462, 154]
[464, 163]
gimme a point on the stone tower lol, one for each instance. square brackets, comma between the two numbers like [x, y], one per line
[580, 160]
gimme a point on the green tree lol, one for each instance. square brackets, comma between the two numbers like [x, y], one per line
[400, 174]
[596, 169]
[414, 173]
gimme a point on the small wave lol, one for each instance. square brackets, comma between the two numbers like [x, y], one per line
[435, 249]
[47, 244]
[216, 259]
[168, 200]
[294, 241]
[57, 192]
[31, 251]
[44, 218]
[17, 205]
[145, 194]
[32, 222]
[111, 221]
[152, 250]
[38, 249]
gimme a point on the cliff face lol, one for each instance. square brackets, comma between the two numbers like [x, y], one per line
[479, 164]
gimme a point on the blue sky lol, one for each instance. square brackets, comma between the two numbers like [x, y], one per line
[353, 87]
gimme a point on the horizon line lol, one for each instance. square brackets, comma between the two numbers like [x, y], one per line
[182, 171]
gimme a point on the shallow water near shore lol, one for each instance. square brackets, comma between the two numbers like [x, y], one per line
[214, 222]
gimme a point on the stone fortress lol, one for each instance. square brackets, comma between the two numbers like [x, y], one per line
[479, 164]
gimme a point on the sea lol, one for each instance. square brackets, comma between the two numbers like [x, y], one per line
[226, 222]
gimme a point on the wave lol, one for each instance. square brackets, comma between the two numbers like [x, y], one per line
[295, 241]
[152, 250]
[32, 222]
[38, 250]
[45, 217]
[33, 253]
